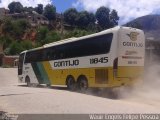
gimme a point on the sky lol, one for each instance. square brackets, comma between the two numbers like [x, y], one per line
[127, 9]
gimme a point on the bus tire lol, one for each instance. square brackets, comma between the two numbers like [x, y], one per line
[27, 80]
[82, 83]
[70, 82]
[48, 85]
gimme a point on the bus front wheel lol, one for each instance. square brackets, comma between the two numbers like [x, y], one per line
[82, 83]
[70, 82]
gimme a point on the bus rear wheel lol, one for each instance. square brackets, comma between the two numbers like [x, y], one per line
[82, 83]
[27, 80]
[70, 82]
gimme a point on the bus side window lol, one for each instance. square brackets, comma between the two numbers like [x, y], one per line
[53, 55]
[39, 56]
[47, 56]
[56, 54]
[28, 57]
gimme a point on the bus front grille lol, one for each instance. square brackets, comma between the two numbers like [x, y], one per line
[101, 76]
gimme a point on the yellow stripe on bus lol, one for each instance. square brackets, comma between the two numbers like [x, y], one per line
[58, 77]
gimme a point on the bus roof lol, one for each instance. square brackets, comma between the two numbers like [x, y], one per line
[111, 30]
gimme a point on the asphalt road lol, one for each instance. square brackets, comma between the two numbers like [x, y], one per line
[17, 98]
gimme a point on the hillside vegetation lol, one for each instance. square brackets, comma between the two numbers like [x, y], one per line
[24, 28]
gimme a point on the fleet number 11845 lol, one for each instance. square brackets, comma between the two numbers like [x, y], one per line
[98, 60]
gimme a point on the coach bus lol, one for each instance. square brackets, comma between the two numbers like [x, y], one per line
[107, 59]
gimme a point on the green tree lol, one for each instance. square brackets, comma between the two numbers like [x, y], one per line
[5, 41]
[92, 26]
[102, 16]
[41, 35]
[84, 19]
[15, 48]
[70, 16]
[19, 28]
[23, 24]
[105, 18]
[77, 33]
[15, 28]
[1, 22]
[28, 9]
[26, 45]
[114, 18]
[92, 18]
[50, 12]
[7, 27]
[15, 7]
[39, 9]
[52, 37]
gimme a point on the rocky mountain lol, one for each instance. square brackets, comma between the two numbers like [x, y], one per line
[150, 24]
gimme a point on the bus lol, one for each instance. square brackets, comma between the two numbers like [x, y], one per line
[111, 58]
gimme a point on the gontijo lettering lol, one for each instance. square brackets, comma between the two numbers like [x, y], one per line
[132, 44]
[66, 63]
